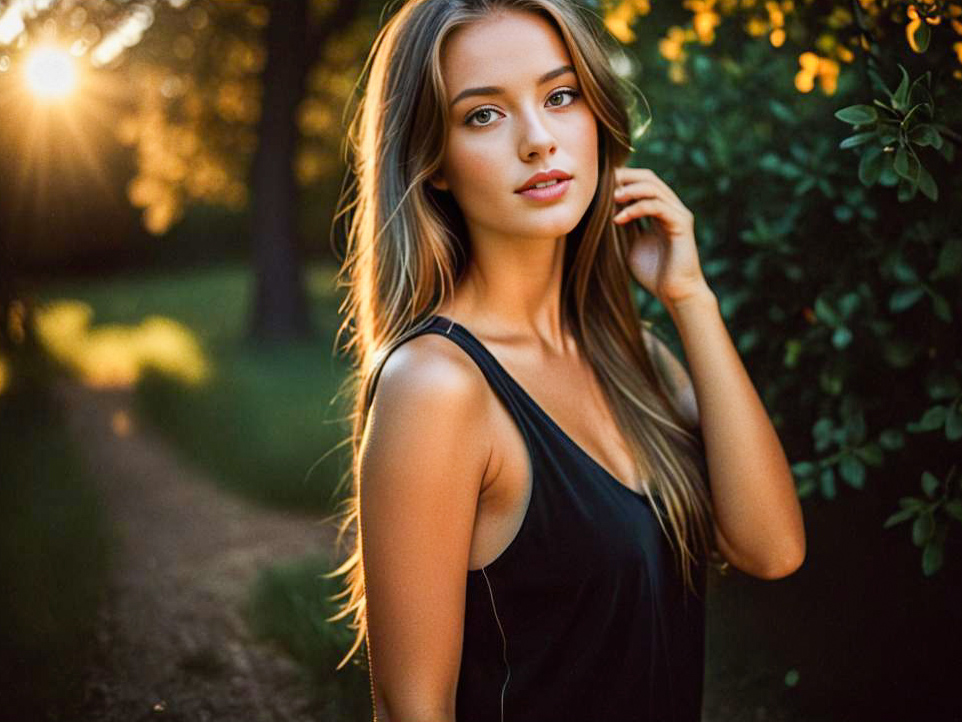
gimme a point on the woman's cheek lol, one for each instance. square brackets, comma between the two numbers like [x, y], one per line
[476, 174]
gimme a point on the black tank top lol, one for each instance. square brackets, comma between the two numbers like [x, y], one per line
[583, 617]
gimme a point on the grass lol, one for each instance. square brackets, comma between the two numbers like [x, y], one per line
[265, 416]
[289, 604]
[54, 555]
[257, 426]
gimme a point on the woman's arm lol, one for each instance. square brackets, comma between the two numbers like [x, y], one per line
[758, 517]
[423, 460]
[759, 526]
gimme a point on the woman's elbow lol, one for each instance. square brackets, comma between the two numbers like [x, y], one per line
[410, 710]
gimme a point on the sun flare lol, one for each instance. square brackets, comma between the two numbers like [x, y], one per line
[50, 73]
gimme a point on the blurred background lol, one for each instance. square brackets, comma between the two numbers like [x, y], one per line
[171, 433]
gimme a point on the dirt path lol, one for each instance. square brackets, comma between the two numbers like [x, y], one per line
[172, 644]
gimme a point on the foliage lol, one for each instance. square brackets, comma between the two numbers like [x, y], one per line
[180, 84]
[840, 282]
[290, 603]
[260, 420]
[55, 549]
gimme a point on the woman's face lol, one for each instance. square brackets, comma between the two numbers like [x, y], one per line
[523, 119]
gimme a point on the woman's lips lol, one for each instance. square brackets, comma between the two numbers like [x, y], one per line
[548, 192]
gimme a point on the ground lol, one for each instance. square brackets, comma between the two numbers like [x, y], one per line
[171, 641]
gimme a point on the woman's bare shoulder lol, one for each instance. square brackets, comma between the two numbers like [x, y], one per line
[428, 386]
[432, 367]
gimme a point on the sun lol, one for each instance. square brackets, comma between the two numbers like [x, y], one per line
[50, 73]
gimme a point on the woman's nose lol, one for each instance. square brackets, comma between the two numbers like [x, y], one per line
[536, 137]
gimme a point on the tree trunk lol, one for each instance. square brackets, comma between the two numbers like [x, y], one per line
[280, 310]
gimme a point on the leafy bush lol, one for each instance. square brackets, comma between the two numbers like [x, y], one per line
[839, 282]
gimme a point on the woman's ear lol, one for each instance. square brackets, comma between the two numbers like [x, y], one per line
[437, 180]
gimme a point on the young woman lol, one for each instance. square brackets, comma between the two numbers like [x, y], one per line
[538, 482]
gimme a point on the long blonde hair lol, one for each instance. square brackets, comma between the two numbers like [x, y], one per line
[407, 246]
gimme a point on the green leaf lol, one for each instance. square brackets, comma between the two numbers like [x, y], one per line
[855, 428]
[954, 509]
[906, 164]
[908, 116]
[948, 151]
[932, 558]
[842, 337]
[898, 517]
[857, 114]
[827, 482]
[804, 185]
[922, 35]
[804, 468]
[930, 483]
[871, 454]
[791, 678]
[925, 134]
[927, 184]
[892, 439]
[888, 132]
[699, 158]
[849, 303]
[900, 352]
[933, 418]
[857, 139]
[901, 162]
[830, 382]
[907, 190]
[904, 272]
[888, 177]
[904, 298]
[920, 90]
[953, 424]
[900, 96]
[870, 166]
[843, 213]
[825, 312]
[910, 502]
[923, 528]
[941, 307]
[950, 259]
[822, 432]
[782, 112]
[793, 349]
[883, 106]
[852, 471]
[942, 386]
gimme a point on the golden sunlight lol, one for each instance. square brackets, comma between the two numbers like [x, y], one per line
[50, 73]
[115, 356]
[4, 375]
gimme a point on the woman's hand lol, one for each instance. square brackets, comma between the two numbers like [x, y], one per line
[664, 259]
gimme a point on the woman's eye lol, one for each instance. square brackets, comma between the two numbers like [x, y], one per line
[476, 113]
[573, 93]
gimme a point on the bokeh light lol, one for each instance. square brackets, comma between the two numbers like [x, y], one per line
[116, 355]
[50, 73]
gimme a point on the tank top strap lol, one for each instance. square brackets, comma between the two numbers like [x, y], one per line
[513, 397]
[496, 375]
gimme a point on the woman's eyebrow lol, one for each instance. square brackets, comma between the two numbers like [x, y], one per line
[495, 90]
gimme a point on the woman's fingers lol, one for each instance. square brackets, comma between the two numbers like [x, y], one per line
[645, 177]
[654, 206]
